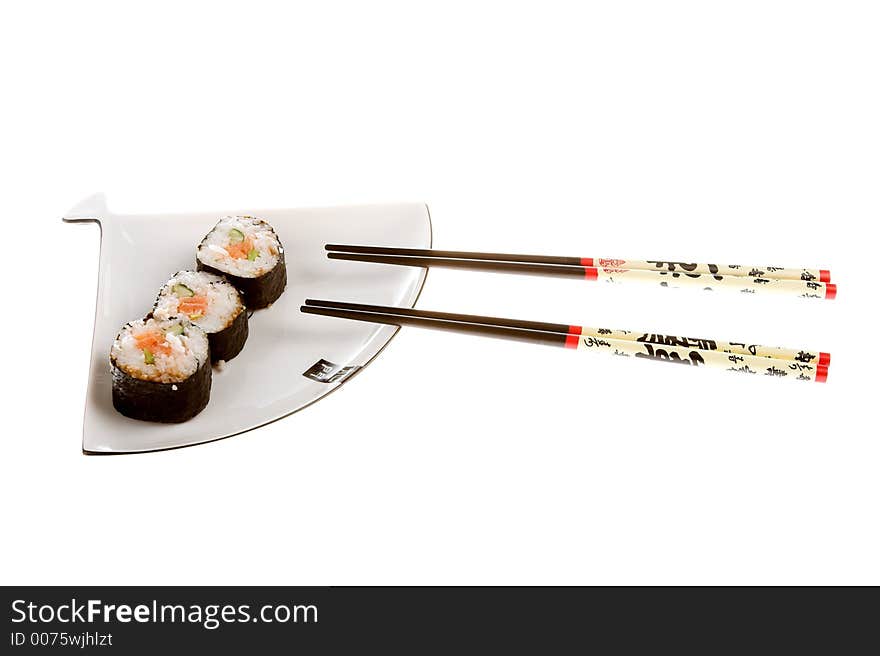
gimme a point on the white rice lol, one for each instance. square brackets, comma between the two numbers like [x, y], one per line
[212, 251]
[224, 301]
[189, 351]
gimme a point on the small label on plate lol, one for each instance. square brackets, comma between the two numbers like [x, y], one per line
[325, 371]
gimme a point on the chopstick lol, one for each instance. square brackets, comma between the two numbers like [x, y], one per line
[528, 331]
[780, 273]
[566, 267]
[700, 343]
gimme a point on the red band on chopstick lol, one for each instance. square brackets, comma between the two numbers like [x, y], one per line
[821, 374]
[573, 337]
[591, 273]
[824, 359]
[824, 275]
[830, 290]
[586, 261]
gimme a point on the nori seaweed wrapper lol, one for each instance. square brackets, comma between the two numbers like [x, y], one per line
[228, 343]
[259, 292]
[151, 401]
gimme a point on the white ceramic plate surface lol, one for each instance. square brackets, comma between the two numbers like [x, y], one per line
[265, 381]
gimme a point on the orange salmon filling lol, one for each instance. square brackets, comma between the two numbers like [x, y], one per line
[240, 250]
[194, 306]
[154, 341]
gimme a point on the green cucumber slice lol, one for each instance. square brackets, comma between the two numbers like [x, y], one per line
[236, 236]
[182, 291]
[148, 357]
[175, 330]
[252, 254]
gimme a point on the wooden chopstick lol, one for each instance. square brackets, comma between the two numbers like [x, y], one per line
[779, 273]
[700, 343]
[521, 331]
[674, 279]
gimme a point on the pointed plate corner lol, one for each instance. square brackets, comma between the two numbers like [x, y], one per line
[270, 378]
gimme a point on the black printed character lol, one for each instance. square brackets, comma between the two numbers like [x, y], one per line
[672, 266]
[670, 356]
[659, 264]
[806, 275]
[803, 356]
[713, 269]
[703, 344]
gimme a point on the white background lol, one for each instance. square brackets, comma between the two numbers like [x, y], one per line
[745, 132]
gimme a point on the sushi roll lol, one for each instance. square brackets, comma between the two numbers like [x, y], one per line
[213, 304]
[161, 370]
[248, 252]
